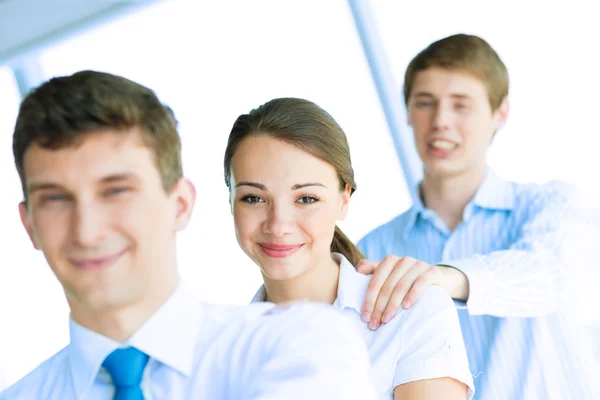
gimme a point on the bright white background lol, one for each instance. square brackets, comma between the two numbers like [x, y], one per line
[211, 61]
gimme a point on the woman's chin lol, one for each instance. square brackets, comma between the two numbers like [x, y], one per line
[278, 272]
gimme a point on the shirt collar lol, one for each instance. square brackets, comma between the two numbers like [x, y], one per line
[260, 295]
[352, 286]
[415, 210]
[87, 351]
[494, 193]
[167, 336]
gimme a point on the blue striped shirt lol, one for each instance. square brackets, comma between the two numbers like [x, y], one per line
[516, 246]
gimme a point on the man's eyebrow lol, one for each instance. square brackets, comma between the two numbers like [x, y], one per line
[423, 94]
[38, 186]
[454, 95]
[462, 96]
[119, 177]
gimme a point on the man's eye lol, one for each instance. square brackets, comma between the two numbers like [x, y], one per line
[53, 198]
[115, 191]
[423, 104]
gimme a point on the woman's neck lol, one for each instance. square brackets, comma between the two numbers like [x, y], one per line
[319, 283]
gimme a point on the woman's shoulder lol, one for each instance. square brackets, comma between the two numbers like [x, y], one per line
[434, 298]
[433, 308]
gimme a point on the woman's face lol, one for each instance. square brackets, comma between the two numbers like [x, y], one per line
[285, 203]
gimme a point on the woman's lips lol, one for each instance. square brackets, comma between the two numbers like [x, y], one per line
[279, 250]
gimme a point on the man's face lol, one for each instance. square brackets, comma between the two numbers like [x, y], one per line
[101, 217]
[452, 121]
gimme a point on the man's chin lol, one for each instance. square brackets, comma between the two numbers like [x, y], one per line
[446, 169]
[98, 299]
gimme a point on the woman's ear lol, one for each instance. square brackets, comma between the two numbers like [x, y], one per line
[345, 202]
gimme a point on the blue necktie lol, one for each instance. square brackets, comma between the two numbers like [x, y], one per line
[126, 367]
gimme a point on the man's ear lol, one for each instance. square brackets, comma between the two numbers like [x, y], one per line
[408, 119]
[501, 114]
[345, 203]
[185, 193]
[26, 221]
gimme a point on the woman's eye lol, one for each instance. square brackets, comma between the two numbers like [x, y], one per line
[307, 200]
[251, 199]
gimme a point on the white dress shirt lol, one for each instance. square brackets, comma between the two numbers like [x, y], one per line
[200, 351]
[423, 342]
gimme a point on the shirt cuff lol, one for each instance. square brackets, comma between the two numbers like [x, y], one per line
[481, 290]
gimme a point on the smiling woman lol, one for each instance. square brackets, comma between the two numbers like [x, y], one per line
[295, 180]
[290, 176]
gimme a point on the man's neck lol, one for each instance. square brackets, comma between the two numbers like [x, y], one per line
[449, 195]
[319, 284]
[120, 324]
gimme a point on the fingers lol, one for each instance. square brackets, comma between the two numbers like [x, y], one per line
[409, 289]
[421, 283]
[381, 273]
[394, 283]
[366, 267]
[397, 282]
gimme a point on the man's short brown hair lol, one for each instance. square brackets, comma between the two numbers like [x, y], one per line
[465, 53]
[60, 112]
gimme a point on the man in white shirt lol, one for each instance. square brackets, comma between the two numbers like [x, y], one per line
[104, 196]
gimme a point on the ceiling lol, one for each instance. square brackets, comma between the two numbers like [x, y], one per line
[28, 25]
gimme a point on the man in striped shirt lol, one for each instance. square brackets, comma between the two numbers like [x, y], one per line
[504, 251]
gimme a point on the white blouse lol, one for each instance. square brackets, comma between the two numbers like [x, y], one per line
[423, 342]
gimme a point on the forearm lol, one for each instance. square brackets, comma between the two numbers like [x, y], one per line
[510, 283]
[455, 283]
[432, 389]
